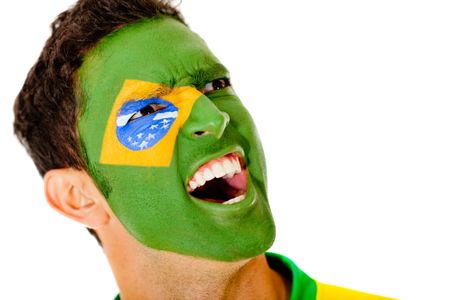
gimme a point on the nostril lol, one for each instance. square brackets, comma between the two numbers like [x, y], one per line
[199, 133]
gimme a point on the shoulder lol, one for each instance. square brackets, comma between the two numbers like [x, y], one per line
[331, 292]
[306, 288]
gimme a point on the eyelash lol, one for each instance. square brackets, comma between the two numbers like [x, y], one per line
[216, 84]
[145, 111]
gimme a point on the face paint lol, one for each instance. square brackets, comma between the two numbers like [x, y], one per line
[159, 187]
[153, 135]
[138, 129]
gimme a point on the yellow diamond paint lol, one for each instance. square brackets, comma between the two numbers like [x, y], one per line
[160, 155]
[331, 292]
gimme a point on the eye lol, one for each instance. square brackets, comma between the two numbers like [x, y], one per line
[216, 84]
[147, 110]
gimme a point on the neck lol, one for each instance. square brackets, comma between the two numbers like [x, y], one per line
[143, 273]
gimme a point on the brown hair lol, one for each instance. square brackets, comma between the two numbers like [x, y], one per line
[46, 109]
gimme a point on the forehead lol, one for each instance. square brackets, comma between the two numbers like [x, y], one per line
[159, 50]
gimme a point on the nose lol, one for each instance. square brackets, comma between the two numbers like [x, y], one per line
[205, 119]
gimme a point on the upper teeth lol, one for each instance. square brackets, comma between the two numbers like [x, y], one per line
[223, 167]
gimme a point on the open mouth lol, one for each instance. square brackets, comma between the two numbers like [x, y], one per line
[222, 180]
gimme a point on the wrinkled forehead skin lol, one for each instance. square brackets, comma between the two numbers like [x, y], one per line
[149, 196]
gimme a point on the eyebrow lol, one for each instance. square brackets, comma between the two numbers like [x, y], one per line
[206, 74]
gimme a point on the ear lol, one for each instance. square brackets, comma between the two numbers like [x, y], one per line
[74, 194]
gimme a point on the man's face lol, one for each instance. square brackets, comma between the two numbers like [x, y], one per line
[171, 146]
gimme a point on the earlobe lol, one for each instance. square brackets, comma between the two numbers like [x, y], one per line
[73, 193]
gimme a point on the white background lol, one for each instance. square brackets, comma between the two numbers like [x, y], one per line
[352, 102]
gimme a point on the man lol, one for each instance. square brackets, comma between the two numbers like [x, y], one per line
[135, 127]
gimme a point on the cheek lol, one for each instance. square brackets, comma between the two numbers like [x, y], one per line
[137, 191]
[244, 124]
[241, 119]
[150, 203]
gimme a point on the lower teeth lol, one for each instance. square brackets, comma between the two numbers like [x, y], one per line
[235, 200]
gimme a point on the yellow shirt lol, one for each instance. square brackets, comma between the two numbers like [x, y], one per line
[306, 288]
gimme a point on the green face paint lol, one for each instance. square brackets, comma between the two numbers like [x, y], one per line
[152, 200]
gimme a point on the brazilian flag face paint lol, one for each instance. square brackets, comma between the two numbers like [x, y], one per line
[171, 146]
[138, 129]
[143, 125]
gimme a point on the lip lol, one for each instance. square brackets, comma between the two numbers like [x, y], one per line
[196, 166]
[249, 199]
[229, 210]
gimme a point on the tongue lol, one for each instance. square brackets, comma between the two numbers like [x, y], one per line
[238, 181]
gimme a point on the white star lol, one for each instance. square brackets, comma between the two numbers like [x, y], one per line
[139, 135]
[153, 127]
[143, 145]
[165, 126]
[130, 139]
[150, 136]
[165, 121]
[134, 143]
